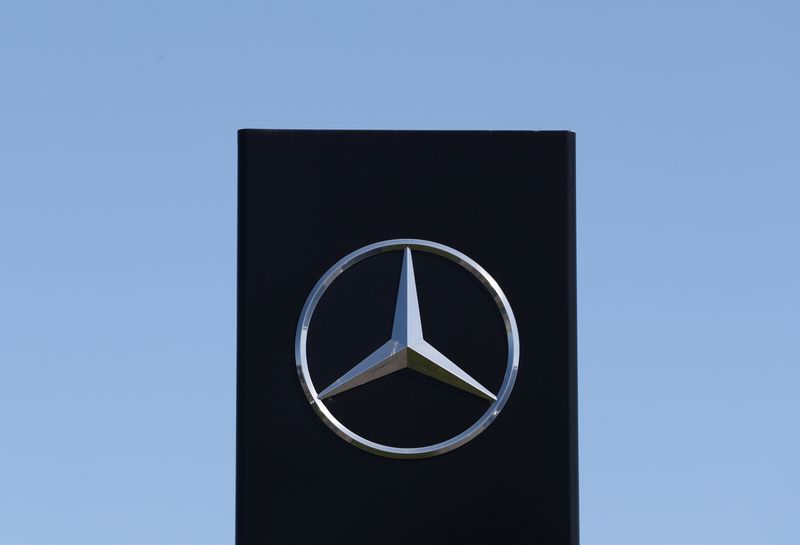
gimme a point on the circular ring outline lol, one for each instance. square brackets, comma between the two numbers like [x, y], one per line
[512, 333]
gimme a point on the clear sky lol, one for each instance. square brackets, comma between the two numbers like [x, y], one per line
[117, 241]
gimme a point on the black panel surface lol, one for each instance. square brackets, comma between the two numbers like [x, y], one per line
[308, 198]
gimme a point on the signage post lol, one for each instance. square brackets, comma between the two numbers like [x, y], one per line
[406, 338]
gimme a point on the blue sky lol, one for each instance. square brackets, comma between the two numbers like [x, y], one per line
[117, 241]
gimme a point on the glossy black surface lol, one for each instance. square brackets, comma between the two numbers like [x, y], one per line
[306, 199]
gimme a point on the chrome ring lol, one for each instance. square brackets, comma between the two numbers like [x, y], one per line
[488, 282]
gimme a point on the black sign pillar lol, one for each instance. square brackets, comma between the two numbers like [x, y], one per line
[406, 338]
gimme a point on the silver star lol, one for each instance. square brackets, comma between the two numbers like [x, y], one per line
[407, 348]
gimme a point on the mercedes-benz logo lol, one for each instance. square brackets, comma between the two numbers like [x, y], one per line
[407, 348]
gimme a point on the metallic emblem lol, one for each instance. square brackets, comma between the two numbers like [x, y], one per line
[407, 348]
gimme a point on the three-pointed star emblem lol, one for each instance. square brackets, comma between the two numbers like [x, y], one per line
[407, 348]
